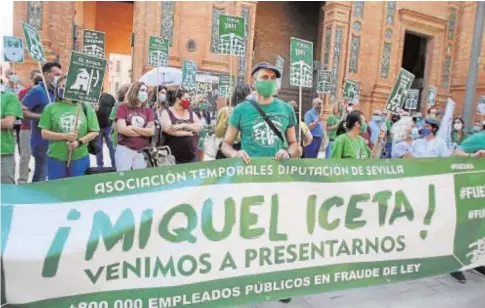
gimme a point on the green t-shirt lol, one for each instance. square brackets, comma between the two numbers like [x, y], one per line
[474, 143]
[346, 147]
[10, 106]
[257, 138]
[455, 139]
[60, 117]
[331, 121]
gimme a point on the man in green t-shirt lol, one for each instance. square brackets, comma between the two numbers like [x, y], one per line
[332, 124]
[258, 139]
[11, 111]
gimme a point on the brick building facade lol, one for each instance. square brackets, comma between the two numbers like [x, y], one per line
[364, 41]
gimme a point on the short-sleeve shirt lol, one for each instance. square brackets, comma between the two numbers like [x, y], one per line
[136, 117]
[400, 149]
[312, 116]
[36, 100]
[332, 121]
[25, 123]
[257, 138]
[349, 148]
[60, 117]
[435, 147]
[474, 143]
[10, 106]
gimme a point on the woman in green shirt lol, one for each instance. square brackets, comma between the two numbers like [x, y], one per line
[57, 123]
[351, 144]
[458, 134]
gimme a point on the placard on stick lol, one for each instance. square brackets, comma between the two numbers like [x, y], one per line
[13, 49]
[301, 63]
[399, 91]
[280, 65]
[33, 43]
[412, 99]
[158, 51]
[225, 82]
[85, 78]
[432, 92]
[94, 43]
[231, 35]
[189, 75]
[323, 81]
[481, 105]
[351, 90]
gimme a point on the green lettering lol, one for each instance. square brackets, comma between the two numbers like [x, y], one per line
[102, 228]
[208, 221]
[112, 271]
[311, 204]
[249, 219]
[145, 228]
[273, 222]
[227, 262]
[402, 208]
[179, 235]
[353, 212]
[250, 255]
[382, 198]
[325, 209]
[164, 269]
[94, 278]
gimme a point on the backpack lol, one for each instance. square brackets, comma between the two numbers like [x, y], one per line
[93, 145]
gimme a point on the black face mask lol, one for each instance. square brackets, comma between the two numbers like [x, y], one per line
[37, 80]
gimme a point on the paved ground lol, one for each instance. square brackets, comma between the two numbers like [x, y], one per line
[436, 292]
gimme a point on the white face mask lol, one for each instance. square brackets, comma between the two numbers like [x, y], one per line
[350, 108]
[55, 80]
[458, 126]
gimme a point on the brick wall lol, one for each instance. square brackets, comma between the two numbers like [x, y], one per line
[276, 22]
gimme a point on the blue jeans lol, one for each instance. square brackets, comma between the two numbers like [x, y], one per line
[58, 169]
[328, 150]
[39, 152]
[311, 151]
[105, 133]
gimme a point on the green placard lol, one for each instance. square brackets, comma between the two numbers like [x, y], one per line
[399, 91]
[33, 43]
[481, 105]
[412, 100]
[94, 43]
[225, 83]
[231, 35]
[189, 75]
[351, 90]
[301, 63]
[85, 78]
[323, 81]
[432, 92]
[157, 51]
[13, 49]
[280, 65]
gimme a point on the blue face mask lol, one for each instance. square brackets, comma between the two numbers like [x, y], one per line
[425, 132]
[476, 129]
[415, 133]
[377, 118]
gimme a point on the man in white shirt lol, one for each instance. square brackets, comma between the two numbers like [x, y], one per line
[430, 145]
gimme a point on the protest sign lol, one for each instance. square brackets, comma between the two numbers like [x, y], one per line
[399, 91]
[301, 63]
[157, 51]
[33, 43]
[323, 81]
[94, 43]
[280, 65]
[207, 87]
[432, 92]
[223, 233]
[189, 75]
[412, 100]
[481, 105]
[13, 49]
[85, 78]
[225, 82]
[231, 35]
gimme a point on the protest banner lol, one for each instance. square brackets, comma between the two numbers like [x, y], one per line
[13, 49]
[94, 43]
[225, 82]
[398, 95]
[481, 106]
[231, 35]
[280, 64]
[85, 78]
[412, 100]
[223, 233]
[446, 126]
[301, 69]
[189, 75]
[432, 92]
[157, 51]
[323, 81]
